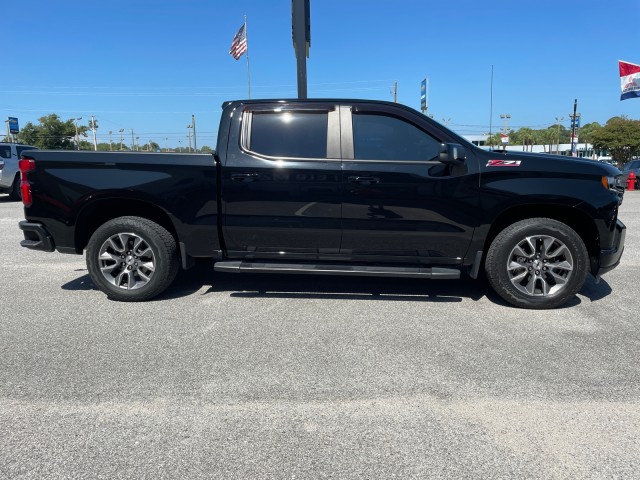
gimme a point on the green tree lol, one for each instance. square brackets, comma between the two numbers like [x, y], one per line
[621, 136]
[51, 133]
[206, 149]
[585, 134]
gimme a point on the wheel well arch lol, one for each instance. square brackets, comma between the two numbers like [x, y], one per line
[579, 221]
[99, 212]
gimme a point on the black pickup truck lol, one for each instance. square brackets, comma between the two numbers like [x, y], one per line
[333, 187]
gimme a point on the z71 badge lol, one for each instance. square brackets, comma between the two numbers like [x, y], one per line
[504, 163]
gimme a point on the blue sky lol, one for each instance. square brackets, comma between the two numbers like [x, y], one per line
[150, 65]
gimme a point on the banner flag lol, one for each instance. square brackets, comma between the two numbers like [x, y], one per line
[629, 80]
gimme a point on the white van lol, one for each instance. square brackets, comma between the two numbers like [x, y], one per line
[9, 173]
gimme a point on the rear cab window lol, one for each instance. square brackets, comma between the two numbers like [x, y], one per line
[5, 151]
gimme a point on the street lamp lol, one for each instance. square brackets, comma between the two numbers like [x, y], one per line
[110, 147]
[137, 144]
[446, 121]
[558, 120]
[77, 137]
[121, 130]
[189, 135]
[505, 129]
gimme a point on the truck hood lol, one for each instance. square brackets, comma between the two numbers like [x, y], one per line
[548, 163]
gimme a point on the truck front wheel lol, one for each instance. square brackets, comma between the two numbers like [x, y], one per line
[132, 259]
[537, 263]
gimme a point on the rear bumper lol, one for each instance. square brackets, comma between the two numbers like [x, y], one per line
[610, 258]
[36, 237]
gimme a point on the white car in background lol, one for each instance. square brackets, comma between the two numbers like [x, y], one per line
[9, 173]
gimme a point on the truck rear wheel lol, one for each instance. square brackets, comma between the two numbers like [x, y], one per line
[537, 263]
[132, 259]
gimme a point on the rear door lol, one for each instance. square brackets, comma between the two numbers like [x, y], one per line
[281, 182]
[399, 202]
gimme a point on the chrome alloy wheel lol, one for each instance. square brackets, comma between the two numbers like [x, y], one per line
[127, 261]
[540, 265]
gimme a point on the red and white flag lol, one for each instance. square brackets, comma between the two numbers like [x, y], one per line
[629, 80]
[239, 44]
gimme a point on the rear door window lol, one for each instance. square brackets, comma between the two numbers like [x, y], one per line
[5, 151]
[289, 134]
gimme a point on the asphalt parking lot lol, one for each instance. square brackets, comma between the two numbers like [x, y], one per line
[257, 376]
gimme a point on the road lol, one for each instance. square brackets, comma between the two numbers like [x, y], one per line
[281, 377]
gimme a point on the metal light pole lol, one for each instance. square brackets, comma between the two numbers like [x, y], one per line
[137, 144]
[166, 148]
[189, 135]
[505, 129]
[180, 146]
[575, 119]
[121, 144]
[301, 33]
[110, 146]
[558, 120]
[193, 123]
[77, 136]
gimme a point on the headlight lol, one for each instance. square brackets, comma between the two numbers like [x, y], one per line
[613, 183]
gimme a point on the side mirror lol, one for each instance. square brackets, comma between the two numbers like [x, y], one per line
[452, 154]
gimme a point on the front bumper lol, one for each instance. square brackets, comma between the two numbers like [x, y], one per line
[610, 258]
[36, 237]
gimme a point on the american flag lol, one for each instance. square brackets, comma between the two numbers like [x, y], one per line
[239, 44]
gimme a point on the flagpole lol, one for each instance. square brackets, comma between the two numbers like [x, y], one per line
[247, 53]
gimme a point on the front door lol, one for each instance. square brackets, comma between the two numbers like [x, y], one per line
[399, 202]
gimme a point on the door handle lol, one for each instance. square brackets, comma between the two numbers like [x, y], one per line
[364, 180]
[244, 177]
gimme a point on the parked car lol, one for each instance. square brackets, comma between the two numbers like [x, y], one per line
[329, 187]
[632, 166]
[9, 173]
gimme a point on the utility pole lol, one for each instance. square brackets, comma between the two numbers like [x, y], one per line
[110, 146]
[558, 120]
[93, 127]
[77, 136]
[133, 142]
[137, 144]
[189, 135]
[395, 92]
[121, 144]
[166, 147]
[193, 122]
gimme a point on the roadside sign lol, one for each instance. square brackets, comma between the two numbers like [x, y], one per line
[504, 138]
[13, 125]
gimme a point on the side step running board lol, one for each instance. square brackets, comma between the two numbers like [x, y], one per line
[356, 270]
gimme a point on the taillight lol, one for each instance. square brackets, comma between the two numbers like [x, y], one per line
[26, 165]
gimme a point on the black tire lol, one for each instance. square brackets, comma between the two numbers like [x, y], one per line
[537, 263]
[16, 192]
[132, 259]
